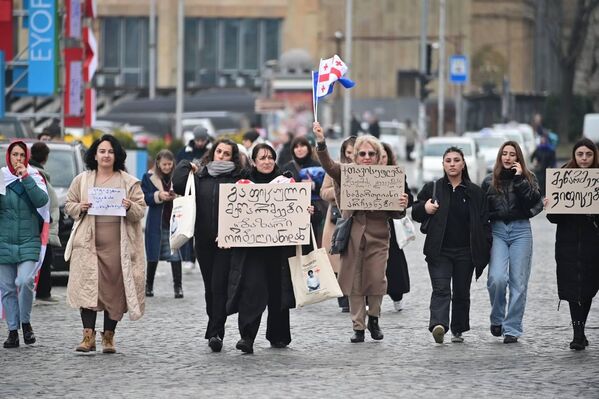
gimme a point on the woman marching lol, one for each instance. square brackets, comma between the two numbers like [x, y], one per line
[458, 241]
[260, 276]
[156, 185]
[220, 165]
[363, 264]
[23, 211]
[577, 251]
[107, 269]
[513, 198]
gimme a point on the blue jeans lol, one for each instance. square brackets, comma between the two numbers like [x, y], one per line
[510, 264]
[21, 277]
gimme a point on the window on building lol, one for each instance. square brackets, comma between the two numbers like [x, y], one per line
[228, 52]
[123, 52]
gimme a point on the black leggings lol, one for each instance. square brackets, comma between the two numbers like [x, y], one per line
[88, 317]
[579, 311]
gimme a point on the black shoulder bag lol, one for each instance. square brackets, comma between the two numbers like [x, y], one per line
[341, 235]
[424, 225]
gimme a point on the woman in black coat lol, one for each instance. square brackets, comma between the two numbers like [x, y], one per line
[458, 242]
[577, 251]
[220, 165]
[260, 276]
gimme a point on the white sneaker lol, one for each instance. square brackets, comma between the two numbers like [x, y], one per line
[398, 305]
[188, 267]
[457, 338]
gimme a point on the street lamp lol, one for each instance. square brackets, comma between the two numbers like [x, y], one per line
[338, 38]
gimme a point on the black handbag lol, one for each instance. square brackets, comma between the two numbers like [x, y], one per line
[341, 235]
[335, 213]
[424, 225]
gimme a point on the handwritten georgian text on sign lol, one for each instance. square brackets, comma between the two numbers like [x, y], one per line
[371, 187]
[263, 215]
[106, 201]
[573, 191]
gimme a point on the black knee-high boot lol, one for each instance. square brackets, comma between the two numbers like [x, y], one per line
[177, 285]
[151, 272]
[579, 313]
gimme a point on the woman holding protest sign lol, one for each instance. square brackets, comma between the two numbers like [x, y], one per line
[107, 269]
[220, 165]
[260, 276]
[513, 197]
[363, 263]
[458, 242]
[577, 251]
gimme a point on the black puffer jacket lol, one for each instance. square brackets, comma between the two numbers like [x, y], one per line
[207, 190]
[480, 230]
[518, 199]
[577, 256]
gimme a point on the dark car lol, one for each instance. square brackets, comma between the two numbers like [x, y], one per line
[11, 127]
[65, 161]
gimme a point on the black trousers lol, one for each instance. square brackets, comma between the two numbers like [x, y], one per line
[398, 276]
[88, 318]
[260, 288]
[452, 269]
[44, 284]
[215, 264]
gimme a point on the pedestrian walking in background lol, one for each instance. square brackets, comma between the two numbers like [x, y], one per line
[159, 196]
[513, 198]
[458, 242]
[43, 291]
[411, 137]
[327, 193]
[24, 213]
[305, 168]
[577, 251]
[260, 276]
[542, 158]
[220, 165]
[398, 276]
[363, 264]
[284, 153]
[197, 147]
[107, 267]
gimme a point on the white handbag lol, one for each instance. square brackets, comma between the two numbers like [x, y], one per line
[183, 217]
[404, 231]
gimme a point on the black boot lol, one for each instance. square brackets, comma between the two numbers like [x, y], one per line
[578, 343]
[13, 339]
[150, 278]
[245, 345]
[176, 269]
[357, 337]
[373, 326]
[28, 335]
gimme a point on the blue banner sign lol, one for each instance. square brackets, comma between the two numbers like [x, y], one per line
[42, 47]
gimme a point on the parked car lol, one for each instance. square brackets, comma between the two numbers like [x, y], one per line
[11, 127]
[392, 133]
[432, 158]
[65, 161]
[516, 135]
[488, 142]
[590, 128]
[528, 142]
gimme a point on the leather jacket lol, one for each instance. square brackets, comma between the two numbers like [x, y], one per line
[518, 199]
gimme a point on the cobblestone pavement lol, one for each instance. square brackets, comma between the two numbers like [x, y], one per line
[164, 354]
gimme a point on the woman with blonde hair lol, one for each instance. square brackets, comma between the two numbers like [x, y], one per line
[363, 263]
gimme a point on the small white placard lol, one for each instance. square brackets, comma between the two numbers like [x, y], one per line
[106, 201]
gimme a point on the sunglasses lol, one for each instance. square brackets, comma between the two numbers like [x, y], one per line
[371, 154]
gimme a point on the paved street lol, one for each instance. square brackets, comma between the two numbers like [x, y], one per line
[165, 355]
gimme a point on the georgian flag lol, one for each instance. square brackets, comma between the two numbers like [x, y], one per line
[330, 71]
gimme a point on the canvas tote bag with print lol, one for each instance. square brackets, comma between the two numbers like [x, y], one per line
[183, 217]
[312, 276]
[405, 231]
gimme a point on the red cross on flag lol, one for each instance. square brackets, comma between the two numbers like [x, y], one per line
[329, 71]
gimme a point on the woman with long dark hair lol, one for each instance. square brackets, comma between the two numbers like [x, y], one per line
[220, 165]
[513, 198]
[157, 187]
[457, 243]
[577, 251]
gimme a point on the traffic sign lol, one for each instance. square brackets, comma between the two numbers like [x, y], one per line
[458, 69]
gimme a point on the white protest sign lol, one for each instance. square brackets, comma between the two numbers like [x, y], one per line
[264, 215]
[572, 191]
[371, 187]
[106, 201]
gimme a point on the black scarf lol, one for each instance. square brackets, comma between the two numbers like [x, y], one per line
[259, 178]
[168, 205]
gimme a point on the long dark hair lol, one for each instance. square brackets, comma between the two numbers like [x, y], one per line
[499, 165]
[301, 140]
[119, 153]
[583, 142]
[351, 140]
[390, 155]
[465, 175]
[235, 158]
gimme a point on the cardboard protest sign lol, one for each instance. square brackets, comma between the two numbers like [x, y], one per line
[106, 201]
[264, 215]
[371, 187]
[572, 191]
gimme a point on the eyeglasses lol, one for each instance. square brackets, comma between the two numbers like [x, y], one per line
[371, 154]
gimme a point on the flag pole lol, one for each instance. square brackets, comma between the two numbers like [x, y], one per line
[314, 100]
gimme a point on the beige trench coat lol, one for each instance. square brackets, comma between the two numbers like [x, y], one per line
[82, 289]
[327, 193]
[368, 247]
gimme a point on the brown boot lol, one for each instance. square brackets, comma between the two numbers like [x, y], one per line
[108, 342]
[89, 341]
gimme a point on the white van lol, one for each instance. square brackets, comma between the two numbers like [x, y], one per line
[590, 128]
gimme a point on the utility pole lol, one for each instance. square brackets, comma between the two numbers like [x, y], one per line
[423, 61]
[441, 96]
[347, 59]
[152, 52]
[179, 99]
